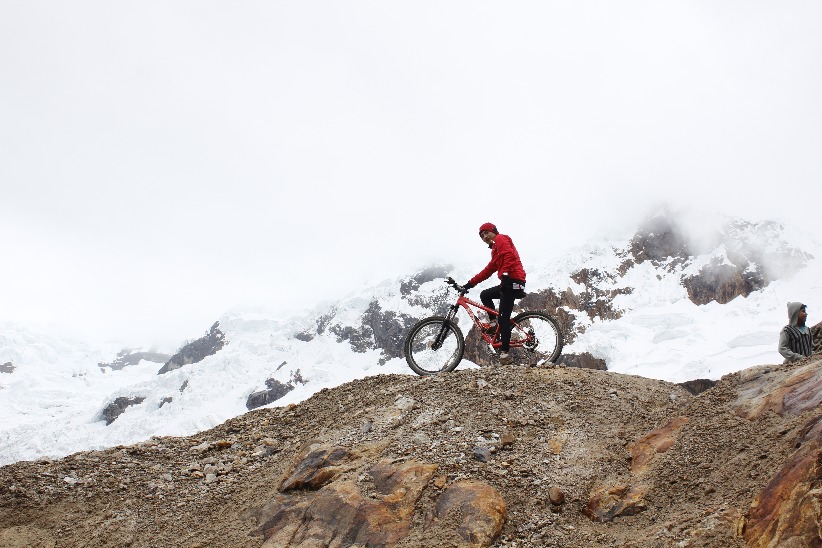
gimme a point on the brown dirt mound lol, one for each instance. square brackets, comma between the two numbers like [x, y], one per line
[559, 445]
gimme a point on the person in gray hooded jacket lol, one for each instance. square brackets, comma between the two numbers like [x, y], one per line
[795, 339]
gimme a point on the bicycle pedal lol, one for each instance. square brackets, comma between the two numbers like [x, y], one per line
[489, 328]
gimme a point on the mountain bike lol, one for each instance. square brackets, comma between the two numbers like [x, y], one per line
[436, 344]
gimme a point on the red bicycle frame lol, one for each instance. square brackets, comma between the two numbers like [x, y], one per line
[493, 342]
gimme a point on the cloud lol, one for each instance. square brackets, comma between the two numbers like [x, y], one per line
[164, 161]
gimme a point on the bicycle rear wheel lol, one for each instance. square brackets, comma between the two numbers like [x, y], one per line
[535, 339]
[434, 345]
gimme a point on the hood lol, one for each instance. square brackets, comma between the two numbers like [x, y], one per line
[793, 312]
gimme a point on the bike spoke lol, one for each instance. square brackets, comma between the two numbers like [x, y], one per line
[535, 340]
[434, 347]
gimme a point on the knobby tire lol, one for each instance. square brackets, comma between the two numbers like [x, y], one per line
[420, 353]
[547, 347]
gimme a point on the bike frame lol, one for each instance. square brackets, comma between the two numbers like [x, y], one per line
[467, 304]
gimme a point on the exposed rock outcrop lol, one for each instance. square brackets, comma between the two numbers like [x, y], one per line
[477, 510]
[196, 351]
[697, 386]
[648, 447]
[381, 329]
[784, 391]
[339, 513]
[584, 360]
[724, 282]
[6, 367]
[660, 242]
[608, 503]
[413, 283]
[118, 407]
[128, 357]
[788, 511]
[274, 391]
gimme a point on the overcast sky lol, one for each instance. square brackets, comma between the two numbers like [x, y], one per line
[162, 161]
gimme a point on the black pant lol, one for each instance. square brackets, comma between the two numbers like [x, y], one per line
[506, 296]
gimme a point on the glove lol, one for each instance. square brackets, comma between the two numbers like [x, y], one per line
[468, 285]
[505, 284]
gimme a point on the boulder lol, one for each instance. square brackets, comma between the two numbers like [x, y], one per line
[340, 515]
[315, 466]
[477, 509]
[607, 503]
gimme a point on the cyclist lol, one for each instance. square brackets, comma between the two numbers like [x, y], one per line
[505, 261]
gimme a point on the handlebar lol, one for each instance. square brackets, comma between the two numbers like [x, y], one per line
[461, 289]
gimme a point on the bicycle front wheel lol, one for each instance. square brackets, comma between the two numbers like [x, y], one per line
[434, 345]
[535, 339]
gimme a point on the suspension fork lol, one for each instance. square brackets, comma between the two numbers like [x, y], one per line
[444, 328]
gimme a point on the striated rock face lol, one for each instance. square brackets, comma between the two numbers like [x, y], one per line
[118, 407]
[784, 391]
[375, 509]
[788, 511]
[196, 351]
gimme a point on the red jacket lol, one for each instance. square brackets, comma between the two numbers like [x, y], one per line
[504, 259]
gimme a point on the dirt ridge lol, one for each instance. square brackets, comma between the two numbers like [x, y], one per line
[550, 438]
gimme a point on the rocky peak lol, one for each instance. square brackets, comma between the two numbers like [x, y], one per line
[414, 282]
[196, 351]
[659, 241]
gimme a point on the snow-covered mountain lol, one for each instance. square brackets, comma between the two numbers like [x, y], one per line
[659, 303]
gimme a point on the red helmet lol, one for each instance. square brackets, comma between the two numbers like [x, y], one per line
[488, 226]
